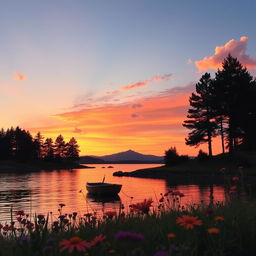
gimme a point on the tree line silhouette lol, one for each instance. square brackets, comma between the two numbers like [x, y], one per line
[225, 106]
[18, 144]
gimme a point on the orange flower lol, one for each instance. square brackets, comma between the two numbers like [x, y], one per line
[188, 222]
[74, 243]
[171, 235]
[219, 218]
[213, 230]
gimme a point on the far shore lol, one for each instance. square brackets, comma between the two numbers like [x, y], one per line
[217, 168]
[19, 166]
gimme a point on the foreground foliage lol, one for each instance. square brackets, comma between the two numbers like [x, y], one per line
[171, 228]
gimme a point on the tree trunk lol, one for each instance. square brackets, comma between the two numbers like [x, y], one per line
[209, 144]
[222, 136]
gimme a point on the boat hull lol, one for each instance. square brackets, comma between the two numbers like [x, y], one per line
[103, 189]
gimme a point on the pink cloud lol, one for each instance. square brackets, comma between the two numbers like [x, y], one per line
[144, 83]
[18, 76]
[235, 48]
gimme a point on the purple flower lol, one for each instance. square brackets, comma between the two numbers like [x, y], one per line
[129, 236]
[24, 240]
[174, 248]
[161, 253]
[47, 249]
[50, 241]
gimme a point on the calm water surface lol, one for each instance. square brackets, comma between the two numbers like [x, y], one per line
[43, 191]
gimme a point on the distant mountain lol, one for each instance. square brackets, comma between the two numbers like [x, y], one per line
[129, 156]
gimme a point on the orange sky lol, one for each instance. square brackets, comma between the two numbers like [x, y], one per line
[149, 125]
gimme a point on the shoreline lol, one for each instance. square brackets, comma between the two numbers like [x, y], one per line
[15, 166]
[217, 168]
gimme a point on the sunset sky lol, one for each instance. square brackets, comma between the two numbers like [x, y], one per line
[115, 74]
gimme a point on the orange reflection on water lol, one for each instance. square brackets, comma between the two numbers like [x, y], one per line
[45, 190]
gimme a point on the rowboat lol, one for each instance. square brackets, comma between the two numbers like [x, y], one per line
[103, 189]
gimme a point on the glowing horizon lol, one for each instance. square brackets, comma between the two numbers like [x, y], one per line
[115, 76]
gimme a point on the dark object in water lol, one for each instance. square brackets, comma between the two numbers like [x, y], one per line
[103, 189]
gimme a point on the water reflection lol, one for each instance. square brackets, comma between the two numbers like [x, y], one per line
[42, 192]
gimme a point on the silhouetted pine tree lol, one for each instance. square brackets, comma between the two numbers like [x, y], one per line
[39, 145]
[233, 93]
[72, 150]
[200, 116]
[59, 148]
[48, 150]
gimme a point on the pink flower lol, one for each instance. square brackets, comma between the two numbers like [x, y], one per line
[143, 206]
[235, 178]
[74, 243]
[96, 240]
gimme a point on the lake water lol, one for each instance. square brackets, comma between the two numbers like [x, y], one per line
[42, 192]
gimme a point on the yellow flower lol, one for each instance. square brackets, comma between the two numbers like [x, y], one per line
[171, 235]
[188, 222]
[219, 218]
[213, 230]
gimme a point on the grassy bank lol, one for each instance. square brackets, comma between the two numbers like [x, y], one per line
[17, 166]
[169, 229]
[210, 168]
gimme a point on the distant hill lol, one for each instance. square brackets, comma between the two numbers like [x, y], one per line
[128, 157]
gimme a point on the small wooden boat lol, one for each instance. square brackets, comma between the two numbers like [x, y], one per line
[103, 189]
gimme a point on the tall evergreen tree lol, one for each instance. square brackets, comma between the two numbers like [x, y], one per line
[200, 116]
[48, 149]
[232, 92]
[60, 147]
[39, 145]
[72, 150]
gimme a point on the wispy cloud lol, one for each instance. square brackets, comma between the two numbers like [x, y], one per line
[77, 130]
[235, 48]
[144, 83]
[137, 105]
[18, 76]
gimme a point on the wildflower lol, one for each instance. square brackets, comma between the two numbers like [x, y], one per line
[174, 248]
[21, 213]
[143, 206]
[96, 240]
[213, 230]
[40, 217]
[188, 222]
[235, 178]
[19, 219]
[219, 218]
[161, 253]
[171, 235]
[209, 211]
[47, 249]
[129, 236]
[110, 214]
[74, 243]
